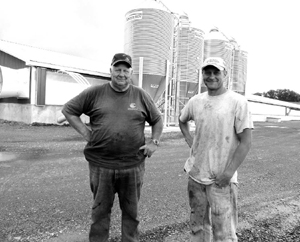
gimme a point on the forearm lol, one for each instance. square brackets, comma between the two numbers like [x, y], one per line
[157, 129]
[238, 158]
[151, 146]
[185, 130]
[78, 125]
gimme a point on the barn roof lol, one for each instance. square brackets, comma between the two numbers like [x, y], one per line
[33, 56]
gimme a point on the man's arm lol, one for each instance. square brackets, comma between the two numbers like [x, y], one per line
[185, 130]
[156, 131]
[239, 156]
[78, 125]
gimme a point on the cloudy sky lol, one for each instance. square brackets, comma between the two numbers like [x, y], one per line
[267, 29]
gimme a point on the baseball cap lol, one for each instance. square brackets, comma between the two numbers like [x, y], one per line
[121, 57]
[216, 62]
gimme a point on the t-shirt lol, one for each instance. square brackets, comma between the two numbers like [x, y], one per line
[218, 120]
[117, 121]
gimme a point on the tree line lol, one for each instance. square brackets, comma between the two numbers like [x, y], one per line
[281, 94]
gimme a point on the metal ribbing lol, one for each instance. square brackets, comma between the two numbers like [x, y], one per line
[190, 56]
[149, 34]
[239, 76]
[196, 53]
[220, 48]
[190, 53]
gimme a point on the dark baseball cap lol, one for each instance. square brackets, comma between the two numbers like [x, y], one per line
[121, 57]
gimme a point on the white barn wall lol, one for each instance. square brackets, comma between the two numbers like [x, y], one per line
[28, 113]
[61, 87]
[15, 83]
[265, 109]
[260, 112]
[15, 112]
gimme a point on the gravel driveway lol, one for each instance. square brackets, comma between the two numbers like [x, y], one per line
[45, 196]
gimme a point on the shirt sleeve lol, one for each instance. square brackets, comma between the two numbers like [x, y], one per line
[243, 118]
[81, 103]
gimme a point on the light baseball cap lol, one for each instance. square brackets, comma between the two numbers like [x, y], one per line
[217, 62]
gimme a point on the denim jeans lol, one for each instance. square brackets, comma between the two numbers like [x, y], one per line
[105, 183]
[213, 212]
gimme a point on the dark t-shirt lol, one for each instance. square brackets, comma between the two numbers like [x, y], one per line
[117, 120]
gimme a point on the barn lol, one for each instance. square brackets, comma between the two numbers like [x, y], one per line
[35, 83]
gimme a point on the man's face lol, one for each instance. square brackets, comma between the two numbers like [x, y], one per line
[213, 78]
[120, 76]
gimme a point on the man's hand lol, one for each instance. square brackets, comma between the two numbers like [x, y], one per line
[149, 148]
[223, 180]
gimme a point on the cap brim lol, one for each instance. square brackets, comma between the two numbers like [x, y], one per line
[221, 68]
[121, 61]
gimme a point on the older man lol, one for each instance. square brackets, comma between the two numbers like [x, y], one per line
[221, 142]
[116, 147]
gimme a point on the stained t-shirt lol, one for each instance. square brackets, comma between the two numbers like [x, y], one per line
[117, 121]
[218, 120]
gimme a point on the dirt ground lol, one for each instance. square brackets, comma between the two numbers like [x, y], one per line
[45, 196]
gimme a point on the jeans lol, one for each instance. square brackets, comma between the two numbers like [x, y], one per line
[213, 212]
[105, 183]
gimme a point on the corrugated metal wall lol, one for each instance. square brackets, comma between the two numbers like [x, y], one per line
[190, 56]
[149, 34]
[239, 72]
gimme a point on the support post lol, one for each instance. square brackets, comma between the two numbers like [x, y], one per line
[199, 80]
[170, 101]
[166, 95]
[141, 66]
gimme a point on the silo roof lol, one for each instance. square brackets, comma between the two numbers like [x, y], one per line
[152, 4]
[215, 34]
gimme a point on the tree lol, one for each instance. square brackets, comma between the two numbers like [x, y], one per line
[283, 95]
[288, 95]
[271, 94]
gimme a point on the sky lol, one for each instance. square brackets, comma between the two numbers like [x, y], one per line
[267, 29]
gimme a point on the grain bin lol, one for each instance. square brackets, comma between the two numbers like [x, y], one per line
[239, 73]
[149, 34]
[217, 45]
[189, 60]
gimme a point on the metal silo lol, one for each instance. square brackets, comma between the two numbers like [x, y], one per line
[239, 71]
[217, 45]
[189, 60]
[149, 34]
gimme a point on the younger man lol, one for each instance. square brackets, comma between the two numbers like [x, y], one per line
[221, 142]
